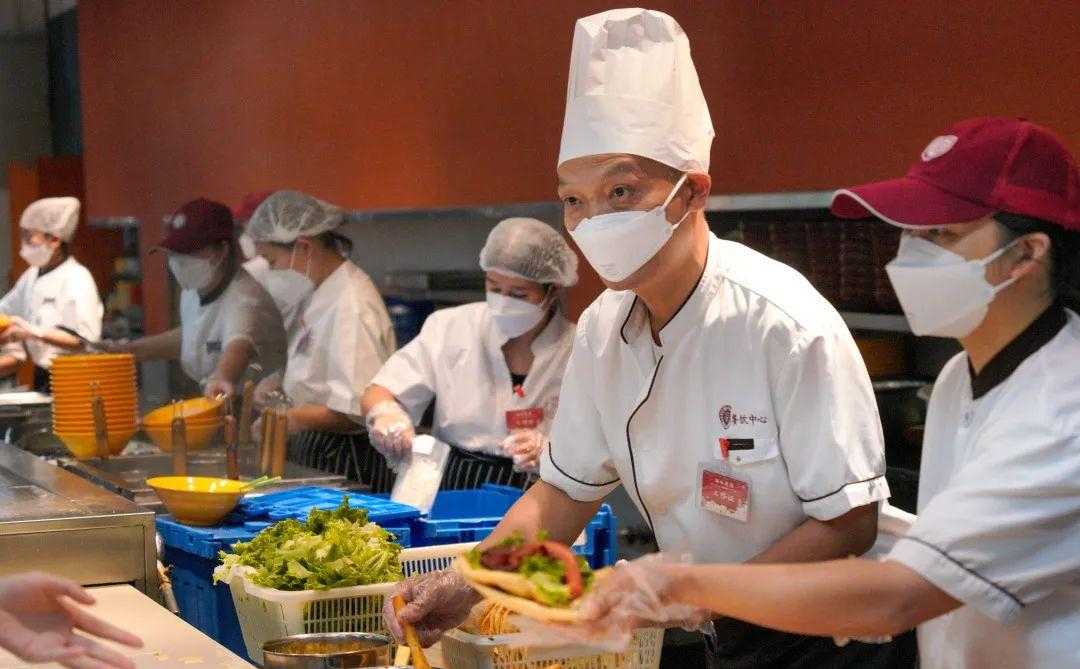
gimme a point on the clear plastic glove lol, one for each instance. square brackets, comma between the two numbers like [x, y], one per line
[434, 603]
[268, 391]
[630, 596]
[391, 431]
[39, 621]
[219, 387]
[525, 447]
[19, 330]
[116, 346]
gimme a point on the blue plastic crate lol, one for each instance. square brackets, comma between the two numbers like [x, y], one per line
[298, 502]
[471, 515]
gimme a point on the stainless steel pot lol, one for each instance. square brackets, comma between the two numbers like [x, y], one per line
[345, 650]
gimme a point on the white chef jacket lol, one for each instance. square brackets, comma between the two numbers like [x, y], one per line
[755, 356]
[259, 269]
[342, 337]
[66, 295]
[243, 311]
[458, 360]
[999, 505]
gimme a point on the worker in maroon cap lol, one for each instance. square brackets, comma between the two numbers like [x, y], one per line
[228, 322]
[989, 572]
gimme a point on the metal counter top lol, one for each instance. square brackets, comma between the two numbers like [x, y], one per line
[53, 520]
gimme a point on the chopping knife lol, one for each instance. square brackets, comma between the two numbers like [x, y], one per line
[87, 344]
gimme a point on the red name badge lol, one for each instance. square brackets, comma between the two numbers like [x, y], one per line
[725, 495]
[524, 419]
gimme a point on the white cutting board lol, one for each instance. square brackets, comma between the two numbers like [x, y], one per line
[170, 642]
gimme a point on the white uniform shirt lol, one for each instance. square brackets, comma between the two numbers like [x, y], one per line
[260, 270]
[755, 356]
[458, 359]
[342, 337]
[243, 311]
[999, 505]
[66, 296]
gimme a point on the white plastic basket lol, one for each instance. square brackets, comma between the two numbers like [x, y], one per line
[462, 650]
[266, 614]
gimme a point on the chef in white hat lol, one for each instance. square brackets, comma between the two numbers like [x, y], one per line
[55, 292]
[714, 383]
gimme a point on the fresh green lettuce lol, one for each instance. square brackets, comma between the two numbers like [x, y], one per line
[331, 549]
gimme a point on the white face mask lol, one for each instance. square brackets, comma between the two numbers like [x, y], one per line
[619, 243]
[193, 272]
[289, 287]
[943, 294]
[514, 317]
[37, 255]
[247, 246]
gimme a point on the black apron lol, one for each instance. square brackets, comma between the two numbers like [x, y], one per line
[739, 645]
[349, 455]
[466, 470]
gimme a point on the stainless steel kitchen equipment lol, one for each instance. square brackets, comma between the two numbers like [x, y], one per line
[126, 475]
[54, 521]
[327, 651]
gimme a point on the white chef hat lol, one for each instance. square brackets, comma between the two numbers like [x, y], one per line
[56, 216]
[633, 89]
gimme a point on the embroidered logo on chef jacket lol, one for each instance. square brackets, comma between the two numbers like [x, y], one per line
[213, 347]
[179, 221]
[524, 419]
[48, 300]
[729, 417]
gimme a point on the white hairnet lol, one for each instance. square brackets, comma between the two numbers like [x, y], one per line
[56, 216]
[288, 214]
[529, 249]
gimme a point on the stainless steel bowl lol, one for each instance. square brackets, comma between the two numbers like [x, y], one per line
[345, 650]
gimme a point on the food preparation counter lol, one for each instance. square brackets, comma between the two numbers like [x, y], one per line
[52, 520]
[127, 475]
[170, 642]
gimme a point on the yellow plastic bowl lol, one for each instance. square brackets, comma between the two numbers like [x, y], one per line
[83, 445]
[198, 436]
[81, 425]
[197, 500]
[5, 321]
[94, 359]
[102, 380]
[194, 408]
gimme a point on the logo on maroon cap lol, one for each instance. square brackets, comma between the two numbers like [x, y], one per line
[938, 147]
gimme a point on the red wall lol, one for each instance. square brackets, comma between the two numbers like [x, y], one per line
[388, 103]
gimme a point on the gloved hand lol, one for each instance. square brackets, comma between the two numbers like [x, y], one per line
[116, 345]
[434, 603]
[268, 391]
[19, 330]
[638, 594]
[391, 431]
[39, 619]
[525, 447]
[216, 387]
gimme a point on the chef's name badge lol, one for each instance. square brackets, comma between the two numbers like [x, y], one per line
[524, 419]
[722, 493]
[213, 347]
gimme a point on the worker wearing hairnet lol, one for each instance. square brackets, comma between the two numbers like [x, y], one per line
[341, 337]
[257, 266]
[56, 291]
[493, 368]
[229, 329]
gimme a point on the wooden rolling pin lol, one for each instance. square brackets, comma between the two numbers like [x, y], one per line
[247, 412]
[179, 444]
[101, 427]
[232, 457]
[418, 659]
[281, 444]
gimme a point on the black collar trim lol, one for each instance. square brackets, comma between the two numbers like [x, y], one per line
[1001, 366]
[213, 295]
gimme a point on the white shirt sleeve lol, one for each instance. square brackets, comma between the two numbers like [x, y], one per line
[577, 460]
[1006, 531]
[829, 429]
[410, 373]
[17, 300]
[354, 357]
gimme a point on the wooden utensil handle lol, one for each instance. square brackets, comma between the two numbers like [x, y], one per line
[101, 428]
[179, 446]
[247, 408]
[266, 453]
[419, 661]
[232, 460]
[281, 441]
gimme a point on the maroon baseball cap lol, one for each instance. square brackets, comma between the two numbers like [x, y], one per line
[977, 167]
[249, 203]
[196, 225]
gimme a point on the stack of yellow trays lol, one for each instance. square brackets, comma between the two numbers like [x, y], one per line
[76, 380]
